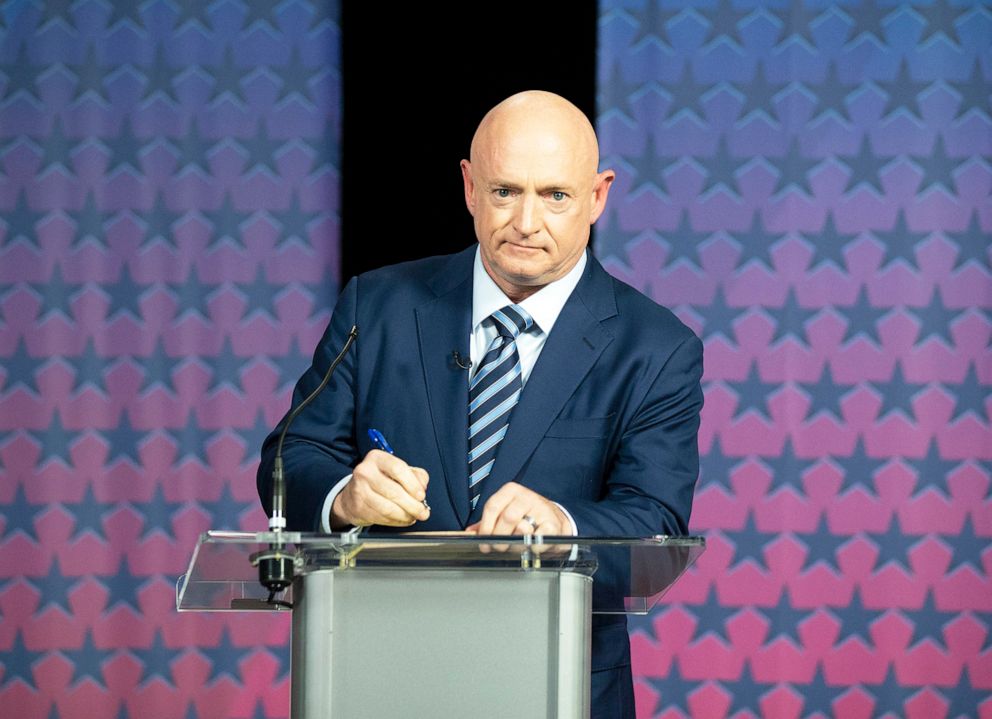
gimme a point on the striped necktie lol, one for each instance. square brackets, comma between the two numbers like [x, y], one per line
[494, 391]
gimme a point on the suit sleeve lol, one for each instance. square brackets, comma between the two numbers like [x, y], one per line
[648, 487]
[320, 447]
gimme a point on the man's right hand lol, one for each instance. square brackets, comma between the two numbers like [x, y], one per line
[383, 490]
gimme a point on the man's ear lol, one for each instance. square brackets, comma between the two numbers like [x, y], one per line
[600, 191]
[469, 186]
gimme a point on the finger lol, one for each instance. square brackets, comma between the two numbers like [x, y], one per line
[382, 510]
[492, 510]
[402, 473]
[511, 518]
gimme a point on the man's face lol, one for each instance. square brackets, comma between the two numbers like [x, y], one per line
[533, 194]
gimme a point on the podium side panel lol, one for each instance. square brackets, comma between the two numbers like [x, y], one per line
[441, 643]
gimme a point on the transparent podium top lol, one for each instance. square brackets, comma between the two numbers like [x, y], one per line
[630, 574]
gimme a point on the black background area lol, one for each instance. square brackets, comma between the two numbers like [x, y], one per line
[417, 79]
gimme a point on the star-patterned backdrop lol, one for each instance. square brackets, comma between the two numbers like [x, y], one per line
[168, 256]
[808, 185]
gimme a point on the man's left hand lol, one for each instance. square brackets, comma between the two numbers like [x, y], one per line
[514, 509]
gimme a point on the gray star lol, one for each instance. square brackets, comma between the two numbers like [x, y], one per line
[57, 149]
[225, 368]
[941, 17]
[124, 150]
[88, 515]
[822, 546]
[720, 169]
[57, 10]
[818, 696]
[864, 168]
[968, 548]
[711, 617]
[261, 151]
[752, 394]
[157, 369]
[55, 440]
[260, 294]
[225, 510]
[784, 620]
[192, 295]
[19, 662]
[54, 589]
[974, 92]
[88, 369]
[125, 296]
[156, 661]
[648, 167]
[791, 319]
[899, 242]
[897, 394]
[123, 588]
[756, 242]
[90, 221]
[717, 468]
[21, 76]
[971, 397]
[189, 440]
[829, 245]
[719, 318]
[684, 95]
[858, 469]
[124, 442]
[21, 369]
[158, 514]
[798, 18]
[903, 92]
[724, 21]
[90, 77]
[652, 21]
[973, 244]
[938, 168]
[870, 18]
[759, 94]
[21, 222]
[967, 697]
[683, 241]
[786, 468]
[936, 319]
[673, 690]
[824, 395]
[159, 223]
[259, 11]
[831, 96]
[19, 516]
[293, 221]
[862, 319]
[928, 622]
[893, 547]
[191, 11]
[295, 78]
[159, 77]
[855, 620]
[932, 470]
[226, 222]
[130, 12]
[794, 170]
[227, 78]
[224, 657]
[194, 150]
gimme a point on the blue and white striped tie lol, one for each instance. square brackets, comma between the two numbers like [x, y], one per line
[494, 391]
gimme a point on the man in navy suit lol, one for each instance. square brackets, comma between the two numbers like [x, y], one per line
[601, 433]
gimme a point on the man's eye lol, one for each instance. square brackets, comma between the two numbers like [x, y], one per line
[558, 196]
[503, 193]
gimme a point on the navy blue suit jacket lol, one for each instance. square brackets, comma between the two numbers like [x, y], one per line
[606, 424]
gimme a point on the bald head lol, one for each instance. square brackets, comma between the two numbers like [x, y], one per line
[533, 190]
[537, 116]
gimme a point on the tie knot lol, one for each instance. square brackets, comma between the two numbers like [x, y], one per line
[512, 320]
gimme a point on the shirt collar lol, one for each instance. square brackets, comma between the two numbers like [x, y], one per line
[544, 305]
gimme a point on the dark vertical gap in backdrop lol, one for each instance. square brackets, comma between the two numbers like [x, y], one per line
[416, 81]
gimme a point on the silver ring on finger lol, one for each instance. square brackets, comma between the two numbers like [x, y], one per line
[530, 520]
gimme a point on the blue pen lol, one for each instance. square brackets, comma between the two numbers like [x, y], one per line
[379, 442]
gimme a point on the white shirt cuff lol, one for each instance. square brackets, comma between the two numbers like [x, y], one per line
[575, 529]
[325, 511]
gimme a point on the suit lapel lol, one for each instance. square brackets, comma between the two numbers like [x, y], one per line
[444, 325]
[575, 343]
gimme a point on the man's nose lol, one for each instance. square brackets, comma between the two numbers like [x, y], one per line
[528, 216]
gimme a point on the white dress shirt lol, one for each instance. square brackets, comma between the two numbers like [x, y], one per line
[543, 306]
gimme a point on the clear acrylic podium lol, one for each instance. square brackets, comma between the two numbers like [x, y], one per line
[438, 625]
